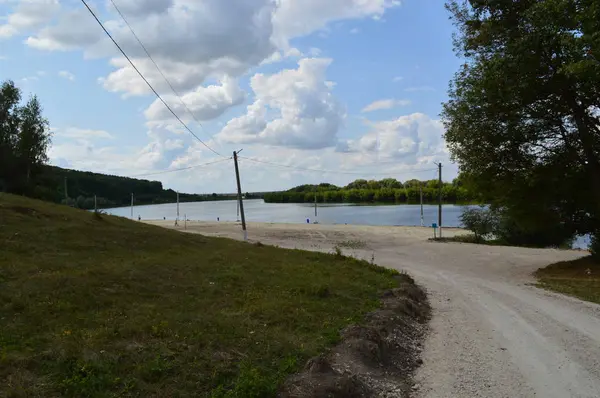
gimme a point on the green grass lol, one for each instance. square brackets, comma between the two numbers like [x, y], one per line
[100, 306]
[579, 278]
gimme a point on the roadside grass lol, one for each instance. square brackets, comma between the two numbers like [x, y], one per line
[99, 306]
[579, 278]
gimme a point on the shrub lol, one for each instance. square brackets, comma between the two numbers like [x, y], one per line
[481, 221]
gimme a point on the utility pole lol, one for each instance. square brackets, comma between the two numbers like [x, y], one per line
[421, 193]
[440, 198]
[95, 204]
[239, 188]
[178, 205]
[132, 205]
[315, 204]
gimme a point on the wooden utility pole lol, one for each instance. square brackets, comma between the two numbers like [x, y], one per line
[132, 205]
[178, 205]
[95, 204]
[315, 204]
[239, 188]
[440, 199]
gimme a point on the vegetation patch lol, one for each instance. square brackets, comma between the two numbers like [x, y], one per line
[579, 278]
[353, 244]
[373, 359]
[96, 305]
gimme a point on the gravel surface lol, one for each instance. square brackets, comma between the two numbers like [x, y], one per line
[492, 333]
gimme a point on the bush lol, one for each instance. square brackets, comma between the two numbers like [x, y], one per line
[545, 232]
[481, 221]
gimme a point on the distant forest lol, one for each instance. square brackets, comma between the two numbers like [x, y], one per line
[388, 190]
[110, 191]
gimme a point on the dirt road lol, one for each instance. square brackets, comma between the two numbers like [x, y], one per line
[492, 334]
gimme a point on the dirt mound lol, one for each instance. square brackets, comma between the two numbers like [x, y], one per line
[376, 359]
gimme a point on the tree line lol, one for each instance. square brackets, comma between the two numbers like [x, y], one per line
[83, 187]
[388, 190]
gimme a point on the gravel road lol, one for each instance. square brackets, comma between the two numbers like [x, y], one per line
[492, 333]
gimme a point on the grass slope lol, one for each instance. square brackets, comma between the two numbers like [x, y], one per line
[579, 278]
[103, 306]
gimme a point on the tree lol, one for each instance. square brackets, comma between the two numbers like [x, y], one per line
[24, 139]
[523, 119]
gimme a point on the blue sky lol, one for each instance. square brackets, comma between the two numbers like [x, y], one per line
[350, 86]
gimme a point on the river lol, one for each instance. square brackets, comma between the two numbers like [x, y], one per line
[259, 211]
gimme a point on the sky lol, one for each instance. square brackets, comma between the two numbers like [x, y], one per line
[311, 90]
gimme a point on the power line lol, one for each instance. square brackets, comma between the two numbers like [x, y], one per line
[145, 80]
[181, 169]
[155, 64]
[324, 170]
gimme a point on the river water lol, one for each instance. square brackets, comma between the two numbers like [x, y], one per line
[259, 211]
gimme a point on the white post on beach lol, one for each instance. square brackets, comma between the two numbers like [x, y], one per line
[421, 191]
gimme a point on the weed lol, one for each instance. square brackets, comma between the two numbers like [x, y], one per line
[353, 244]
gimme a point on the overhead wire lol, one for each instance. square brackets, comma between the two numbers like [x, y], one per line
[145, 80]
[155, 64]
[180, 169]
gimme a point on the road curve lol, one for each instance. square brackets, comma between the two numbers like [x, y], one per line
[492, 333]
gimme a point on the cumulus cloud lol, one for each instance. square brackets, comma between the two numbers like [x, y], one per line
[75, 29]
[412, 139]
[195, 40]
[295, 18]
[292, 108]
[29, 14]
[385, 104]
[205, 103]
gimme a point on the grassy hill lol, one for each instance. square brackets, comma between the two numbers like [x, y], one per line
[95, 305]
[110, 190]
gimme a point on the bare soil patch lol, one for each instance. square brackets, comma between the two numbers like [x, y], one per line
[374, 359]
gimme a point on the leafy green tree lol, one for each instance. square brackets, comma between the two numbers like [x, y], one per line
[523, 119]
[24, 139]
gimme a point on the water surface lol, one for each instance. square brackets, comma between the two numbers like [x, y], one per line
[259, 211]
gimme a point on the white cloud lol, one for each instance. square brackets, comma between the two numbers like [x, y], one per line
[397, 79]
[292, 108]
[196, 40]
[412, 139]
[75, 29]
[419, 88]
[67, 75]
[354, 31]
[29, 14]
[295, 18]
[385, 104]
[205, 103]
